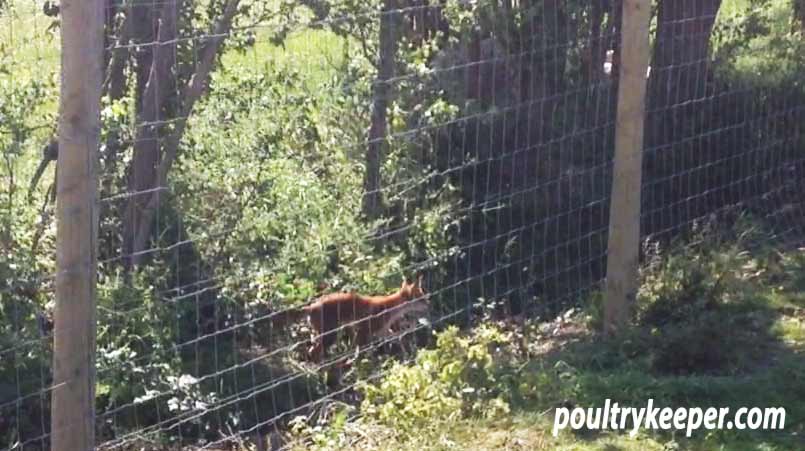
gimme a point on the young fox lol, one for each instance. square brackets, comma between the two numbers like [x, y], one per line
[365, 316]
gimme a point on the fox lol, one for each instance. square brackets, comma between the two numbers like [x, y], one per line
[366, 317]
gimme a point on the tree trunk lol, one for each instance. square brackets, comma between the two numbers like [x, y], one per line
[799, 13]
[142, 17]
[681, 50]
[194, 89]
[544, 77]
[614, 42]
[595, 69]
[541, 88]
[155, 84]
[678, 87]
[387, 49]
[114, 87]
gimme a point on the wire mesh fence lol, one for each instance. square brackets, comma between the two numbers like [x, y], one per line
[256, 156]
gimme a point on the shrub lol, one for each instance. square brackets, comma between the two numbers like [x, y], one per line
[462, 376]
[694, 300]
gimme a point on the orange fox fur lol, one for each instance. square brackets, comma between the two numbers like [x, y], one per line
[365, 316]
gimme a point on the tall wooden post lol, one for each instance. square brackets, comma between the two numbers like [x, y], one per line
[624, 213]
[73, 395]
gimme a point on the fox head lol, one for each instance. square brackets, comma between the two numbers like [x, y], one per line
[411, 291]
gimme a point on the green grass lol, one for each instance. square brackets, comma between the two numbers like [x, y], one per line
[316, 54]
[26, 43]
[30, 50]
[732, 7]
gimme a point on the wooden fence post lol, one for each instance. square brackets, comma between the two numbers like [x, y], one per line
[624, 214]
[73, 395]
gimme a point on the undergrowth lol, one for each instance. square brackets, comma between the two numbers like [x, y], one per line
[718, 322]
